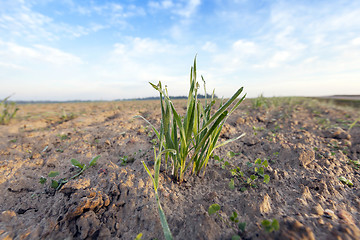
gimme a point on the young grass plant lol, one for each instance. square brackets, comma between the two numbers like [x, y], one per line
[193, 137]
[8, 111]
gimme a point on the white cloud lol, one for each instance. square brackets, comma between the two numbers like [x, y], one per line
[356, 41]
[209, 47]
[11, 66]
[166, 4]
[189, 9]
[13, 52]
[245, 47]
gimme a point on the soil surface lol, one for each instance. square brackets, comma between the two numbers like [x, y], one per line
[307, 144]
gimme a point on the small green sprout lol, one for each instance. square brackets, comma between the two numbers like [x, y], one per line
[354, 163]
[63, 136]
[138, 237]
[248, 177]
[223, 163]
[124, 160]
[346, 181]
[57, 184]
[270, 226]
[231, 154]
[215, 208]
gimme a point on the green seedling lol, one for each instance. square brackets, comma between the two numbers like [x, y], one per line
[346, 181]
[222, 162]
[258, 128]
[250, 177]
[8, 111]
[138, 237]
[129, 159]
[197, 132]
[233, 221]
[57, 184]
[231, 154]
[63, 136]
[66, 117]
[126, 160]
[354, 163]
[270, 226]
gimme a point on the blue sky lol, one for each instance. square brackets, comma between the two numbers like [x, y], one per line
[104, 50]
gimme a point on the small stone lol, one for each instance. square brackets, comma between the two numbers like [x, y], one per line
[329, 213]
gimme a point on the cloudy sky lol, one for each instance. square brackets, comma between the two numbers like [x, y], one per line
[104, 50]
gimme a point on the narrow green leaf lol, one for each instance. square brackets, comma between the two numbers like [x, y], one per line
[152, 126]
[76, 163]
[164, 224]
[222, 109]
[53, 174]
[213, 208]
[253, 177]
[229, 141]
[150, 175]
[93, 161]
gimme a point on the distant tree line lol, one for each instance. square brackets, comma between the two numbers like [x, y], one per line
[200, 96]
